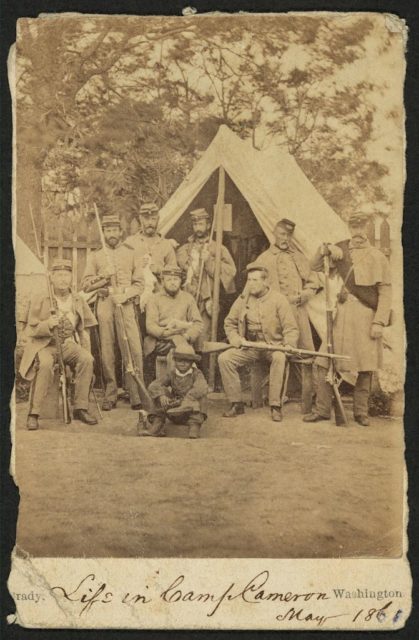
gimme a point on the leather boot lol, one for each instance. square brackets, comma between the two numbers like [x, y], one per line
[107, 405]
[314, 417]
[84, 416]
[194, 431]
[236, 409]
[32, 422]
[276, 414]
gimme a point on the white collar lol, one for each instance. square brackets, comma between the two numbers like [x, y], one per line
[187, 373]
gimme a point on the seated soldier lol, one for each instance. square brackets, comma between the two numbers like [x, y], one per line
[72, 316]
[261, 315]
[172, 317]
[180, 395]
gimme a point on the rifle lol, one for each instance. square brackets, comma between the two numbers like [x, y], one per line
[126, 354]
[55, 333]
[202, 265]
[217, 347]
[332, 375]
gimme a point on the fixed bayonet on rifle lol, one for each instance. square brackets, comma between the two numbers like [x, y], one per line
[126, 354]
[215, 347]
[55, 332]
[332, 376]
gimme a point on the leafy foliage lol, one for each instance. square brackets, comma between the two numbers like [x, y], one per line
[116, 110]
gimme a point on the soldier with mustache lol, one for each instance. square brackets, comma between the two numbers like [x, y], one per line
[153, 251]
[363, 310]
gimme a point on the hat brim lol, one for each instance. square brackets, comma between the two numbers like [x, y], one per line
[190, 357]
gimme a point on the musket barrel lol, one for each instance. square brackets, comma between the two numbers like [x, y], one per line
[214, 347]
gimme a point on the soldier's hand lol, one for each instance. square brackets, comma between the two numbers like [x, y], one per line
[164, 402]
[208, 307]
[331, 250]
[236, 341]
[376, 331]
[296, 299]
[103, 292]
[53, 322]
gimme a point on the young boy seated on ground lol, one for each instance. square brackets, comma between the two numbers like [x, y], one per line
[180, 395]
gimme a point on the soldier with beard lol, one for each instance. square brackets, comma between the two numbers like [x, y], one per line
[154, 252]
[172, 317]
[197, 257]
[119, 260]
[363, 310]
[73, 317]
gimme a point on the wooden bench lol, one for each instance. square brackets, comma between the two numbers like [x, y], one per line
[259, 375]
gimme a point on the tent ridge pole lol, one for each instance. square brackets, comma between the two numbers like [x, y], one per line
[219, 210]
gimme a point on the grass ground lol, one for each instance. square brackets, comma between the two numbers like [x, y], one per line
[248, 488]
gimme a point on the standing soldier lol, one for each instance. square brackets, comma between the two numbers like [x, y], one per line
[118, 260]
[197, 259]
[72, 316]
[363, 310]
[154, 252]
[291, 274]
[262, 314]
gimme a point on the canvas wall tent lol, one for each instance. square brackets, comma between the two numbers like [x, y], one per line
[29, 276]
[262, 186]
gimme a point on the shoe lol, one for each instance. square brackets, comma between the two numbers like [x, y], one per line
[236, 409]
[107, 405]
[32, 422]
[314, 417]
[84, 416]
[135, 407]
[194, 432]
[362, 420]
[276, 414]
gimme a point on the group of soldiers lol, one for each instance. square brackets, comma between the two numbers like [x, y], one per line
[155, 301]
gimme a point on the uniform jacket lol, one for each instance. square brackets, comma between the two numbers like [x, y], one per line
[128, 269]
[186, 259]
[160, 249]
[306, 279]
[39, 334]
[162, 308]
[276, 316]
[290, 273]
[192, 385]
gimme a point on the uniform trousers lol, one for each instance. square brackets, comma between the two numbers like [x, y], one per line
[109, 328]
[231, 360]
[78, 358]
[361, 395]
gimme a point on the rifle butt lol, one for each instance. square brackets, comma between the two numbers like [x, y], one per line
[341, 419]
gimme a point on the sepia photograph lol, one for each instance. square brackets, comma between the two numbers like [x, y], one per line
[210, 352]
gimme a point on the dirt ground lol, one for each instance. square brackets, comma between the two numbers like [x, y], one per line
[248, 488]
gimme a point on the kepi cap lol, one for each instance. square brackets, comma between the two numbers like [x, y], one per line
[148, 209]
[186, 352]
[199, 214]
[359, 218]
[171, 271]
[61, 264]
[111, 221]
[256, 267]
[286, 224]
